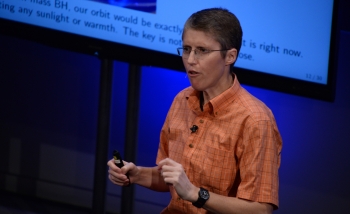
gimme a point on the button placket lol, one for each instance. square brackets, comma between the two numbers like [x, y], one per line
[198, 132]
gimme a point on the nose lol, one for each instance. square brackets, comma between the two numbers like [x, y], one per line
[192, 57]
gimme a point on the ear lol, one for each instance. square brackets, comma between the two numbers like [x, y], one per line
[231, 56]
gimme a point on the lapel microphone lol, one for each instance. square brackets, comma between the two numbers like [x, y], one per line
[194, 128]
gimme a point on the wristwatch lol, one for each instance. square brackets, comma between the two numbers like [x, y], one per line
[203, 196]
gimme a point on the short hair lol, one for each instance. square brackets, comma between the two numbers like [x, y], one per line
[220, 23]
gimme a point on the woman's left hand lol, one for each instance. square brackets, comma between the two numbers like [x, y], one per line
[174, 174]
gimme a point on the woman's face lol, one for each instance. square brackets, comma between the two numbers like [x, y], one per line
[211, 72]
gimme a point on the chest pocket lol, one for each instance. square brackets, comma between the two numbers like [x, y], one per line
[176, 144]
[219, 166]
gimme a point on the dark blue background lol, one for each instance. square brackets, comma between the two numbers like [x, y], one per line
[47, 92]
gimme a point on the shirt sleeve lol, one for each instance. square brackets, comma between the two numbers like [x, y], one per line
[259, 163]
[163, 148]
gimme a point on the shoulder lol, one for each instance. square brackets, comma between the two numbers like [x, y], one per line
[182, 95]
[255, 108]
[186, 92]
[180, 99]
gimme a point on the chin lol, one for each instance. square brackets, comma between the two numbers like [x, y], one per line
[197, 88]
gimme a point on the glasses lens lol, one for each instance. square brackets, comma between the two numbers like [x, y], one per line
[179, 51]
[184, 52]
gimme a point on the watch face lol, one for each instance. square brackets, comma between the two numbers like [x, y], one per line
[204, 194]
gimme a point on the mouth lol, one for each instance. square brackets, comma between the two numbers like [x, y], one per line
[192, 73]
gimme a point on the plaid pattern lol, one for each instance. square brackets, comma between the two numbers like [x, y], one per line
[235, 151]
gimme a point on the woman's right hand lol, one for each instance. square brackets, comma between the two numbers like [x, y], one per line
[118, 175]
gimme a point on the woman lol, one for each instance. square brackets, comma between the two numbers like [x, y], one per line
[220, 147]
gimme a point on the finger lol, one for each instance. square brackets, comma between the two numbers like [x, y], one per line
[125, 163]
[112, 165]
[167, 162]
[128, 166]
[117, 175]
[115, 168]
[165, 178]
[164, 162]
[117, 181]
[171, 168]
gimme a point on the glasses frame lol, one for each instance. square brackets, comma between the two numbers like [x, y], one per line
[196, 55]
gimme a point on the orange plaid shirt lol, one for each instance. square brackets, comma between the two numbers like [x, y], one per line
[235, 151]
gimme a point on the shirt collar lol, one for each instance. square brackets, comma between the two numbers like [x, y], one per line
[218, 103]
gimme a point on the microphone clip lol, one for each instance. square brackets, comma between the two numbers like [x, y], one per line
[194, 128]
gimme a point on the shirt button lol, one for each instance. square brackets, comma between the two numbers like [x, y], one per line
[191, 145]
[201, 121]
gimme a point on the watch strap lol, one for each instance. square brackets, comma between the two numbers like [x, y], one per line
[203, 196]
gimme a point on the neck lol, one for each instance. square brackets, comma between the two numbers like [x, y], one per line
[206, 97]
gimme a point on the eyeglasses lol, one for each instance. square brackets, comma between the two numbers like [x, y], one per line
[199, 53]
